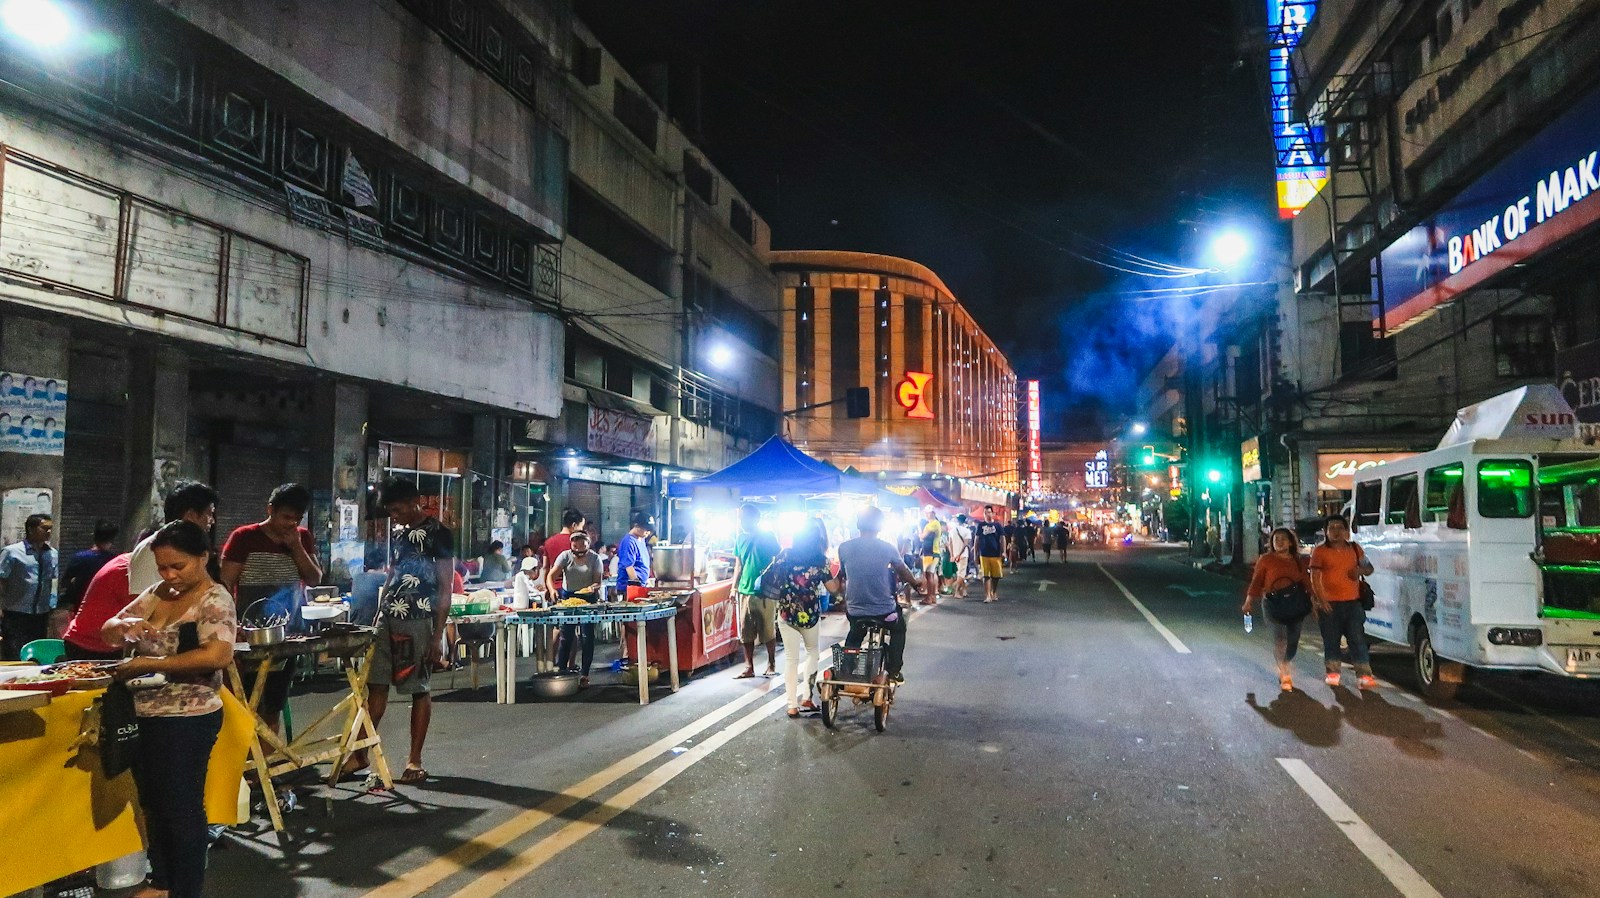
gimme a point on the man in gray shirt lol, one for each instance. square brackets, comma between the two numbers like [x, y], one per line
[868, 567]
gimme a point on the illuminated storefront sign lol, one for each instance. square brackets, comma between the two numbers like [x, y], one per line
[1301, 171]
[1337, 470]
[913, 394]
[1250, 460]
[1034, 455]
[1097, 472]
[1542, 194]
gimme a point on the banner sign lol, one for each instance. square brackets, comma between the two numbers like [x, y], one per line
[33, 414]
[1578, 373]
[1301, 171]
[621, 433]
[1250, 460]
[1533, 199]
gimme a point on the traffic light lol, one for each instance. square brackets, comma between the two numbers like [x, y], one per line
[1214, 475]
[1147, 457]
[858, 402]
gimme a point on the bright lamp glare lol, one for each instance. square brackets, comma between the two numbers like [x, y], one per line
[1229, 249]
[720, 356]
[42, 23]
[1138, 428]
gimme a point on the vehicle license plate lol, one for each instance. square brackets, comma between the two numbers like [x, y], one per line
[1586, 658]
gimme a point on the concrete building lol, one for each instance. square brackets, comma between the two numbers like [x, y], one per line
[337, 243]
[1450, 256]
[672, 315]
[943, 397]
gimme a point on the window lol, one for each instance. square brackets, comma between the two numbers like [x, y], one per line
[1505, 488]
[1522, 346]
[1445, 498]
[698, 178]
[635, 113]
[619, 376]
[608, 232]
[881, 344]
[1403, 507]
[846, 334]
[1368, 506]
[742, 222]
[805, 343]
[913, 329]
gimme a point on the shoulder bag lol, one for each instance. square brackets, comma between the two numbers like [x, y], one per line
[1288, 605]
[1364, 589]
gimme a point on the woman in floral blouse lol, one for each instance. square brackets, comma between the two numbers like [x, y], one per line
[804, 568]
[183, 629]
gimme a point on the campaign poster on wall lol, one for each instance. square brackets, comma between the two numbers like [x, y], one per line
[15, 507]
[33, 414]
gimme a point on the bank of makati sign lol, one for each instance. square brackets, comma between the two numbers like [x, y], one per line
[1535, 198]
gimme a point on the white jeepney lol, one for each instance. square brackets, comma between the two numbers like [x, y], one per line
[1487, 549]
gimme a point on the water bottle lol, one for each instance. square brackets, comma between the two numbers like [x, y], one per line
[1249, 623]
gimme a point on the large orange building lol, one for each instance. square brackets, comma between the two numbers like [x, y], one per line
[944, 398]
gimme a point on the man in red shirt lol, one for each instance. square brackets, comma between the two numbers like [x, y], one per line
[106, 594]
[1337, 567]
[572, 520]
[271, 562]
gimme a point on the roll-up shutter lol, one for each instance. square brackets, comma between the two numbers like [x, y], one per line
[616, 502]
[585, 497]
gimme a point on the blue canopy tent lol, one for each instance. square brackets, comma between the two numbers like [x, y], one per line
[777, 468]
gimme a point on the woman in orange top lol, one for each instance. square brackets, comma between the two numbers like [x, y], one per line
[1279, 569]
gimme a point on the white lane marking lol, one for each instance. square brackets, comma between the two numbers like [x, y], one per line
[1046, 584]
[541, 852]
[1171, 637]
[1394, 868]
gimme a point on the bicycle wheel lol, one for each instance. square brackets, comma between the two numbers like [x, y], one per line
[880, 717]
[830, 709]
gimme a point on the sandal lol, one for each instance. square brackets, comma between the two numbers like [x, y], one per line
[1286, 684]
[412, 776]
[770, 672]
[794, 713]
[351, 769]
[748, 674]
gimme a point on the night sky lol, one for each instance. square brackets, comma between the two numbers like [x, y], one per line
[997, 144]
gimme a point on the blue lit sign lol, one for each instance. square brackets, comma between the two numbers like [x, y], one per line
[1536, 197]
[1301, 169]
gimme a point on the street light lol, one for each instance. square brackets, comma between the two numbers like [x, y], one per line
[721, 356]
[1229, 248]
[1138, 428]
[42, 23]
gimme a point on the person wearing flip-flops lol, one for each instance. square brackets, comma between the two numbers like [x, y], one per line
[412, 613]
[753, 553]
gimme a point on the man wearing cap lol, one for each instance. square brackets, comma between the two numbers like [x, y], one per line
[633, 555]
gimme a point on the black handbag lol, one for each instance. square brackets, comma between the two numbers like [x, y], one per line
[1364, 589]
[1288, 605]
[119, 730]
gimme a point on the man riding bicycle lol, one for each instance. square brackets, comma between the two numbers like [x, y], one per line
[868, 568]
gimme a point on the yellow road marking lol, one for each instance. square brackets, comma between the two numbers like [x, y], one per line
[541, 852]
[416, 881]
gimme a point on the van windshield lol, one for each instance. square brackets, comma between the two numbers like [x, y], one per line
[1569, 534]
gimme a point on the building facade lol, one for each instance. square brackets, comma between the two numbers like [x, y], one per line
[342, 243]
[944, 399]
[1450, 255]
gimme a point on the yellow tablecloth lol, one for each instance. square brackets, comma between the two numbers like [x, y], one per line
[61, 815]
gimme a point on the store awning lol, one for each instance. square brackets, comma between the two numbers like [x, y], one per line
[777, 468]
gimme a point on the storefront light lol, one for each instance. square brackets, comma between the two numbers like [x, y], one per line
[42, 23]
[638, 469]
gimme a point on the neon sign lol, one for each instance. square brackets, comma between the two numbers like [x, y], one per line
[913, 394]
[1301, 173]
[1034, 455]
[1097, 472]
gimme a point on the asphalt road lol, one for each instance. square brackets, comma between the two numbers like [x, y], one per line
[1056, 743]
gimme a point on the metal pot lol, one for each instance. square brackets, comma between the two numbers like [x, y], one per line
[675, 563]
[554, 685]
[263, 636]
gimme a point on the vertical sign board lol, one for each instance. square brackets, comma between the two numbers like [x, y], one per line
[1034, 454]
[1578, 376]
[1538, 196]
[1301, 170]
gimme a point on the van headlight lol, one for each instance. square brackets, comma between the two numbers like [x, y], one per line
[1525, 636]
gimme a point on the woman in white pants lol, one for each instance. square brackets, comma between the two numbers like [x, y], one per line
[803, 568]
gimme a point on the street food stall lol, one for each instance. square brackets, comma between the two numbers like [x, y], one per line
[345, 728]
[62, 814]
[796, 486]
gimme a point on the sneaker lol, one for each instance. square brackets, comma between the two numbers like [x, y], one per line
[1331, 679]
[897, 678]
[1367, 681]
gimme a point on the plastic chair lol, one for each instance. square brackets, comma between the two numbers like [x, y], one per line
[44, 651]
